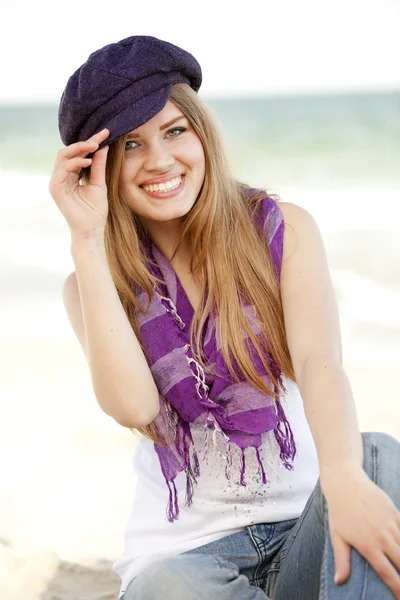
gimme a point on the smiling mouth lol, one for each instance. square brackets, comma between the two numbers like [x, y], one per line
[166, 186]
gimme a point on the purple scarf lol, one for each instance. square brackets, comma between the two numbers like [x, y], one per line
[187, 395]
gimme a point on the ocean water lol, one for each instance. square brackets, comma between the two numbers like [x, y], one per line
[336, 155]
[343, 139]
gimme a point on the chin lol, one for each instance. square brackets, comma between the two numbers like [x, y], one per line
[173, 209]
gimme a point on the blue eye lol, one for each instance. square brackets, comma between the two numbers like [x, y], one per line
[176, 130]
[127, 144]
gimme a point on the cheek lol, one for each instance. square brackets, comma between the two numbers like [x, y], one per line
[128, 172]
[197, 156]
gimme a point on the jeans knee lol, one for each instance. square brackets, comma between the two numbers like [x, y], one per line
[155, 580]
[178, 577]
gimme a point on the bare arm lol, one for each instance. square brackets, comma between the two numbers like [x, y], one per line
[122, 380]
[361, 514]
[314, 339]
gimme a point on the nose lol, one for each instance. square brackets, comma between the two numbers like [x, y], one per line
[158, 158]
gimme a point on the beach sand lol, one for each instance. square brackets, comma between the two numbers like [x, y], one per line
[67, 481]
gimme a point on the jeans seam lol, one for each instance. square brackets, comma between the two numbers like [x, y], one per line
[259, 582]
[374, 463]
[323, 590]
[365, 584]
[322, 505]
[260, 557]
[323, 582]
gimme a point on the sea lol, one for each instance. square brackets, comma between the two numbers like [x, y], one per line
[336, 154]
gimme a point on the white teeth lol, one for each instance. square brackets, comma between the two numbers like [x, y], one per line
[163, 187]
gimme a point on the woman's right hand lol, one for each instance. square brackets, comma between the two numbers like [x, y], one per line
[85, 207]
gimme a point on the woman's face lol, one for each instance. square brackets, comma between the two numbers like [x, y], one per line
[163, 168]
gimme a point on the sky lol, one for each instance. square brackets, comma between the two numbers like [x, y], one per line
[245, 47]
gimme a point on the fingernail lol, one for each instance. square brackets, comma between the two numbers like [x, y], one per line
[336, 578]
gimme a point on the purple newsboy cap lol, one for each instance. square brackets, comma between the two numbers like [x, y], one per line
[122, 86]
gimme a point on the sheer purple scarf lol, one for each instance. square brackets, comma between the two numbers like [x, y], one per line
[188, 395]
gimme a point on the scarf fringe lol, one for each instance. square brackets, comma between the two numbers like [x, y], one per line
[243, 468]
[284, 437]
[172, 508]
[173, 311]
[183, 437]
[191, 475]
[228, 467]
[260, 463]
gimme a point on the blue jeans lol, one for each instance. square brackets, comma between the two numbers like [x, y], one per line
[288, 560]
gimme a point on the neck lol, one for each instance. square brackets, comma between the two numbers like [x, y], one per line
[165, 237]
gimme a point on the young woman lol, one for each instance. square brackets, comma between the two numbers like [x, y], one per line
[207, 315]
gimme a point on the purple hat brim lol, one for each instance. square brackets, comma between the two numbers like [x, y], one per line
[136, 114]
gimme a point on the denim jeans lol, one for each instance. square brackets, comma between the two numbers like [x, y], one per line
[288, 560]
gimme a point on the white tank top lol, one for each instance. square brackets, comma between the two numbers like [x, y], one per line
[220, 507]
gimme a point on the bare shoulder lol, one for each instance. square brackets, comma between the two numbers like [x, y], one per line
[72, 304]
[300, 229]
[293, 211]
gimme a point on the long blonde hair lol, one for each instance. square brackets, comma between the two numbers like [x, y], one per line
[229, 256]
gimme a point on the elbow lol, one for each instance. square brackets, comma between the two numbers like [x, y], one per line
[129, 414]
[133, 423]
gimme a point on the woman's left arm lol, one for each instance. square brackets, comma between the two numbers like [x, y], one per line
[314, 340]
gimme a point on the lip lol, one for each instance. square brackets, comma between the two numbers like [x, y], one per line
[162, 179]
[167, 193]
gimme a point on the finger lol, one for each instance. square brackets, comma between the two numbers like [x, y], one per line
[100, 136]
[386, 571]
[81, 149]
[74, 165]
[396, 535]
[392, 551]
[98, 168]
[342, 558]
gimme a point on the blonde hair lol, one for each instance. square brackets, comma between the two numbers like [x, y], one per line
[229, 256]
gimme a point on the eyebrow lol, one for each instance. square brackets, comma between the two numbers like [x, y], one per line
[136, 135]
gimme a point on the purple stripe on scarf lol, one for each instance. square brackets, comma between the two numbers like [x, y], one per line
[169, 370]
[235, 396]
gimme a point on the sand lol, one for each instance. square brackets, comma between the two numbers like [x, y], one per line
[67, 483]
